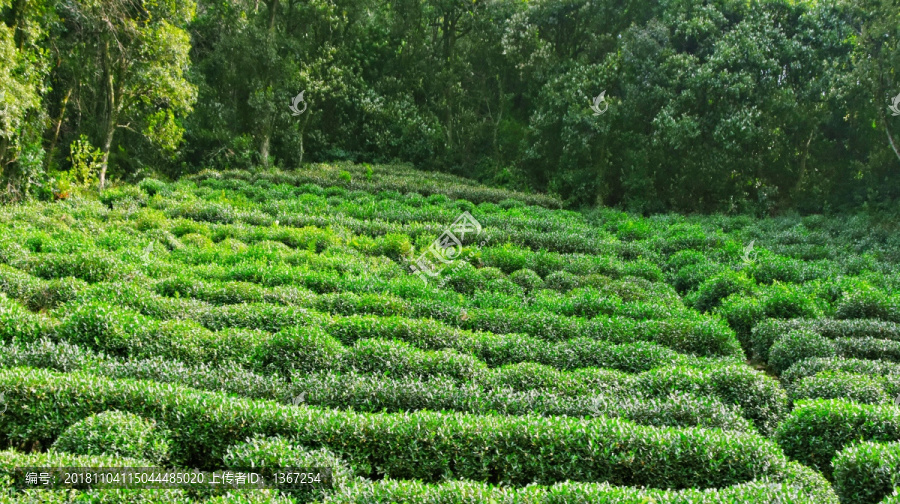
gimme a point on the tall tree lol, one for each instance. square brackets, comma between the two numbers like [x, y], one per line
[130, 57]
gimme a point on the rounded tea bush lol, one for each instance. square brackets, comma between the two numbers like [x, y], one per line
[840, 385]
[796, 346]
[526, 279]
[116, 433]
[276, 452]
[297, 348]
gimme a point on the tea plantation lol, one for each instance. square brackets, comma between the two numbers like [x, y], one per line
[274, 319]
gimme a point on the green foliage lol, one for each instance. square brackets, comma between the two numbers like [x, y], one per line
[867, 472]
[526, 279]
[711, 292]
[209, 305]
[266, 454]
[86, 162]
[840, 385]
[16, 323]
[766, 333]
[796, 346]
[815, 431]
[118, 434]
[799, 485]
[297, 348]
[121, 194]
[422, 445]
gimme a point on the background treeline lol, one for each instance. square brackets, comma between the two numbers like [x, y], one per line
[742, 106]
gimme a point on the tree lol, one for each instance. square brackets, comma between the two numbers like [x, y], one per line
[22, 82]
[131, 56]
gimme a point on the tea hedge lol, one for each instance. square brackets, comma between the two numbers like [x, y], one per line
[867, 472]
[766, 333]
[117, 434]
[267, 453]
[254, 288]
[423, 445]
[816, 430]
[800, 486]
[511, 390]
[796, 346]
[887, 372]
[840, 385]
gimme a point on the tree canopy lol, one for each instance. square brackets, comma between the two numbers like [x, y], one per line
[718, 105]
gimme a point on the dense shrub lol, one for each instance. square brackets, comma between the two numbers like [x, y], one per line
[786, 301]
[742, 313]
[816, 430]
[153, 186]
[390, 394]
[297, 348]
[869, 303]
[267, 453]
[107, 328]
[17, 323]
[526, 279]
[867, 472]
[114, 196]
[261, 316]
[711, 292]
[760, 397]
[800, 486]
[699, 335]
[499, 349]
[766, 333]
[868, 348]
[400, 359]
[423, 445]
[561, 281]
[36, 293]
[384, 393]
[887, 372]
[840, 385]
[116, 433]
[785, 269]
[796, 346]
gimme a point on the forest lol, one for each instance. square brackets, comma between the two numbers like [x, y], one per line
[746, 107]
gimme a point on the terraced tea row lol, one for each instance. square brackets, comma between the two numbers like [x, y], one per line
[591, 353]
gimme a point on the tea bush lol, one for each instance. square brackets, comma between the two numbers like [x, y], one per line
[421, 445]
[816, 430]
[867, 472]
[117, 434]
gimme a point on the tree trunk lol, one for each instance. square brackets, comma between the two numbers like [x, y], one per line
[891, 140]
[62, 115]
[802, 178]
[302, 131]
[264, 150]
[300, 162]
[107, 146]
[112, 116]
